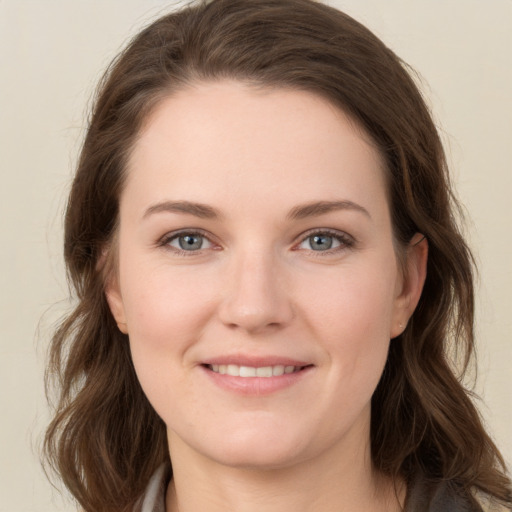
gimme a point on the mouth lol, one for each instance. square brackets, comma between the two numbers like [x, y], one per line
[256, 377]
[234, 370]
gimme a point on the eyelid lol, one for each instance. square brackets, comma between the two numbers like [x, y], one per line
[165, 240]
[346, 241]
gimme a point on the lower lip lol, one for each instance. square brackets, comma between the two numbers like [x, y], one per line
[256, 386]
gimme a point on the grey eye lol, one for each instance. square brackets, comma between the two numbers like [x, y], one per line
[190, 242]
[320, 242]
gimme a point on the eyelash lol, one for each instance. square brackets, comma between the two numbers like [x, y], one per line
[345, 241]
[169, 237]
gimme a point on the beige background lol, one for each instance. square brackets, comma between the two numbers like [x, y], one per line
[51, 55]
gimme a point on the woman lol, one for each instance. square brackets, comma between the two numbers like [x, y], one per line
[269, 277]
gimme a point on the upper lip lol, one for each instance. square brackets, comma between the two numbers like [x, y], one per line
[255, 361]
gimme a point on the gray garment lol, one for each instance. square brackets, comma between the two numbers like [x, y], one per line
[422, 496]
[154, 497]
[425, 496]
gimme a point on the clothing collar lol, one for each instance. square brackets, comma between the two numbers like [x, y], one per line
[422, 496]
[153, 499]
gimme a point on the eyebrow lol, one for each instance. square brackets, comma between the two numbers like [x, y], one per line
[317, 208]
[200, 210]
[205, 211]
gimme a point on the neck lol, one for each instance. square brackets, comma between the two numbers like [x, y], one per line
[329, 483]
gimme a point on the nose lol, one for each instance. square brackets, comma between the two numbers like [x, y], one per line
[255, 299]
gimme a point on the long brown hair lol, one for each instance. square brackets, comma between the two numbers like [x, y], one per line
[105, 439]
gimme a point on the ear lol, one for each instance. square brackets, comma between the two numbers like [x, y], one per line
[411, 285]
[115, 302]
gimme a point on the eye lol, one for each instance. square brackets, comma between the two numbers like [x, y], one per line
[323, 241]
[189, 242]
[320, 242]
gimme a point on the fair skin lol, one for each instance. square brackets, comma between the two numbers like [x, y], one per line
[255, 238]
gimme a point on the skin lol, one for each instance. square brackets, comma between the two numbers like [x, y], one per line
[256, 287]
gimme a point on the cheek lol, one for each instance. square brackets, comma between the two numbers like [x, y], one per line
[351, 315]
[166, 312]
[359, 299]
[163, 307]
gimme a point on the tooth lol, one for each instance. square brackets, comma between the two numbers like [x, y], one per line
[247, 371]
[233, 370]
[250, 371]
[278, 370]
[263, 371]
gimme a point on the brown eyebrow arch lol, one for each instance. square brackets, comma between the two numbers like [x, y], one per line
[322, 207]
[197, 209]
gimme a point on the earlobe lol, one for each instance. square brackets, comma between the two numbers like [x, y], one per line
[415, 273]
[115, 302]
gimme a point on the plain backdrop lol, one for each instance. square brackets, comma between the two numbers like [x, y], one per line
[52, 53]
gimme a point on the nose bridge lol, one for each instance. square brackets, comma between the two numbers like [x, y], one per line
[255, 297]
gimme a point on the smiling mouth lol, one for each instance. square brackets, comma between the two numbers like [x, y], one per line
[250, 371]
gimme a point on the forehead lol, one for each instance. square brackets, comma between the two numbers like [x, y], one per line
[216, 139]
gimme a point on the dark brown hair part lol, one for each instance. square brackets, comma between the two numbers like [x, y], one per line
[106, 440]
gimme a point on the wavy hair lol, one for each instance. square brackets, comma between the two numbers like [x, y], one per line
[105, 440]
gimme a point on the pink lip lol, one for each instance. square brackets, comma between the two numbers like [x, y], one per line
[255, 386]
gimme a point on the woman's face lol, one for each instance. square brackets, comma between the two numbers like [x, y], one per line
[257, 277]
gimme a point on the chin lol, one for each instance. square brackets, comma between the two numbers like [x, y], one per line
[265, 456]
[259, 446]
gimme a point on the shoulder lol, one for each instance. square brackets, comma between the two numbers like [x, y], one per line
[489, 504]
[426, 495]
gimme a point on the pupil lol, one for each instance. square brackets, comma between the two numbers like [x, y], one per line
[321, 242]
[190, 242]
